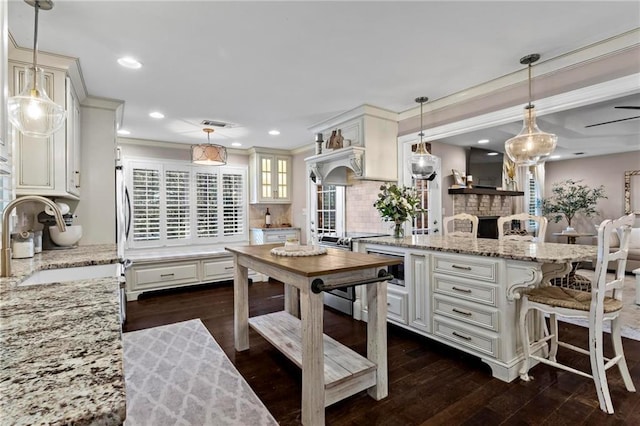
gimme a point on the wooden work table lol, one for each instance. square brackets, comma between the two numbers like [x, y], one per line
[330, 371]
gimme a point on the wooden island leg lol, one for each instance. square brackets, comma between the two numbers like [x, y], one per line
[240, 306]
[291, 300]
[311, 307]
[377, 337]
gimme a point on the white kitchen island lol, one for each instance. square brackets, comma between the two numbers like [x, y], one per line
[463, 291]
[330, 371]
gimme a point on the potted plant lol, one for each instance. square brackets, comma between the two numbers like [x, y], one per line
[569, 198]
[397, 204]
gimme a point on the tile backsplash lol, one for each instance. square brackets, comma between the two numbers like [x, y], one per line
[360, 214]
[280, 213]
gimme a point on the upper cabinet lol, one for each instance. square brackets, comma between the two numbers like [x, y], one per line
[369, 146]
[48, 166]
[270, 180]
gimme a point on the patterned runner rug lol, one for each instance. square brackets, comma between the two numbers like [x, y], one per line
[178, 375]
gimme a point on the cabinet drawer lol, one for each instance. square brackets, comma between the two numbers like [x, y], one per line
[217, 269]
[166, 275]
[466, 336]
[464, 289]
[279, 237]
[397, 306]
[471, 313]
[466, 266]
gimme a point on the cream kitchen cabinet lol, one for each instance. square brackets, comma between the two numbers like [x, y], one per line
[273, 235]
[161, 273]
[51, 166]
[270, 176]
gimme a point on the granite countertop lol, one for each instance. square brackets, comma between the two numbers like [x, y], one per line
[60, 344]
[517, 250]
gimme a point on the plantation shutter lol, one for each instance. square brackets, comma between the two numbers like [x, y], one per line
[177, 208]
[233, 198]
[207, 205]
[146, 204]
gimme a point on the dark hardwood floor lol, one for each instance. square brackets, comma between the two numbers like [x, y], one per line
[429, 383]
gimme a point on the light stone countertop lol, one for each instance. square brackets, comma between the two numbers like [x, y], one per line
[517, 250]
[275, 228]
[60, 344]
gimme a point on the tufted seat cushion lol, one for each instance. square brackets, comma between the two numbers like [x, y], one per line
[568, 298]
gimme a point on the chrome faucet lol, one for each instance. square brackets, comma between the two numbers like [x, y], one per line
[6, 249]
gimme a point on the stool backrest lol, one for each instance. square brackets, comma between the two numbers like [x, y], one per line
[470, 231]
[523, 235]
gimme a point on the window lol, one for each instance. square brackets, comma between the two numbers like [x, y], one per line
[180, 204]
[421, 221]
[534, 204]
[330, 208]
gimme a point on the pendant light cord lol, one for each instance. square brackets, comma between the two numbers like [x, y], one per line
[35, 43]
[530, 105]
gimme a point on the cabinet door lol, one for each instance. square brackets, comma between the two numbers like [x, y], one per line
[266, 169]
[73, 140]
[282, 175]
[40, 162]
[418, 281]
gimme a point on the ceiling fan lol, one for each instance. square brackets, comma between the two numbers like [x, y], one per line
[615, 121]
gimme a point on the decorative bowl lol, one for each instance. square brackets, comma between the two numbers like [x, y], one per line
[67, 238]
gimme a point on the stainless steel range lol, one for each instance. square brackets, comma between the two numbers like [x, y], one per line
[342, 299]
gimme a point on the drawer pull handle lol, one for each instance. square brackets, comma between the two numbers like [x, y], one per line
[466, 268]
[228, 267]
[166, 275]
[464, 290]
[461, 312]
[461, 336]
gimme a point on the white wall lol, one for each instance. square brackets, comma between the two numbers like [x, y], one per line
[96, 208]
[607, 170]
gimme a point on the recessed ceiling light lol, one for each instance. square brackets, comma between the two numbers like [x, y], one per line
[156, 114]
[482, 141]
[555, 157]
[236, 144]
[274, 132]
[129, 62]
[124, 132]
[492, 154]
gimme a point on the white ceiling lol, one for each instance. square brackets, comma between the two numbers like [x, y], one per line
[289, 65]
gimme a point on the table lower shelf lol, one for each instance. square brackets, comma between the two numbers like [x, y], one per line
[345, 371]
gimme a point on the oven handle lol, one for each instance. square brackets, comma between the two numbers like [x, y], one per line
[318, 285]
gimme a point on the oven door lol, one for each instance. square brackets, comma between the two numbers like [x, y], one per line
[340, 299]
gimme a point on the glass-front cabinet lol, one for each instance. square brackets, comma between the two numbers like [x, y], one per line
[270, 177]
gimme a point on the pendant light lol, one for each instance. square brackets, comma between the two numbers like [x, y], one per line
[422, 165]
[32, 111]
[209, 154]
[531, 146]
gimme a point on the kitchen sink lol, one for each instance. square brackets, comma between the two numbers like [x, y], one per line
[50, 276]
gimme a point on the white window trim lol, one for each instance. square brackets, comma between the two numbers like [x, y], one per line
[130, 163]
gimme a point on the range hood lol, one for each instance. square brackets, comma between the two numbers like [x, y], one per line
[332, 168]
[370, 147]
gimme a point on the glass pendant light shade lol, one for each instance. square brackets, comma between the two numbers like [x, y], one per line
[209, 154]
[422, 165]
[531, 146]
[32, 112]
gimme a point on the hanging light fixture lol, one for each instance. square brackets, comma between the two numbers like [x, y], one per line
[422, 164]
[531, 146]
[32, 112]
[209, 154]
